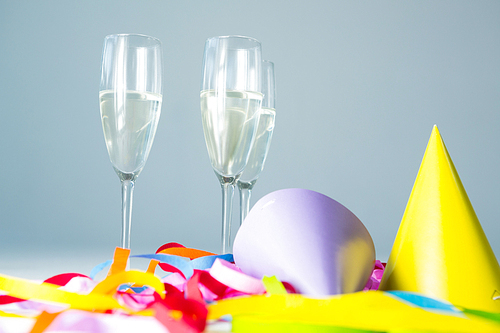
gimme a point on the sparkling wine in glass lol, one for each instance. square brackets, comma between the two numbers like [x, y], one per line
[262, 141]
[230, 102]
[130, 97]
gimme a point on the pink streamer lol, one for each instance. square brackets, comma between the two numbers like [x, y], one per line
[374, 281]
[228, 274]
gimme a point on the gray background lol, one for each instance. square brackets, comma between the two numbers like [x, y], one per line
[360, 85]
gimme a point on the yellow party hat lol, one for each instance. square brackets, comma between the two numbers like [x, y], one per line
[440, 248]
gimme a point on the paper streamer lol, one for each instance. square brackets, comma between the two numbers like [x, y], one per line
[180, 263]
[120, 261]
[46, 292]
[152, 266]
[183, 266]
[425, 302]
[13, 315]
[186, 252]
[43, 321]
[98, 268]
[208, 294]
[182, 313]
[64, 279]
[227, 274]
[112, 282]
[208, 261]
[273, 286]
[249, 324]
[371, 311]
[169, 245]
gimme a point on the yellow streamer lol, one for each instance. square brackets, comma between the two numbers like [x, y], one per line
[8, 314]
[372, 311]
[111, 283]
[273, 285]
[46, 292]
[251, 324]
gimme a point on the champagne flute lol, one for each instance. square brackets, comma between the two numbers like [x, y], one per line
[230, 101]
[130, 96]
[262, 141]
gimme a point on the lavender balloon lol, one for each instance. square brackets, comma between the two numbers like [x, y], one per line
[307, 239]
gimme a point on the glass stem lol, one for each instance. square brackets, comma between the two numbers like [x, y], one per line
[245, 195]
[127, 194]
[227, 207]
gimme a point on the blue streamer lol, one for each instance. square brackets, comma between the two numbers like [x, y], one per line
[181, 263]
[208, 261]
[99, 268]
[424, 302]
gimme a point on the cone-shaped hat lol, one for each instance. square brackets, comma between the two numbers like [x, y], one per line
[440, 248]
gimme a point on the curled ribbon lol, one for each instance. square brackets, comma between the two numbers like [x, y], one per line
[203, 286]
